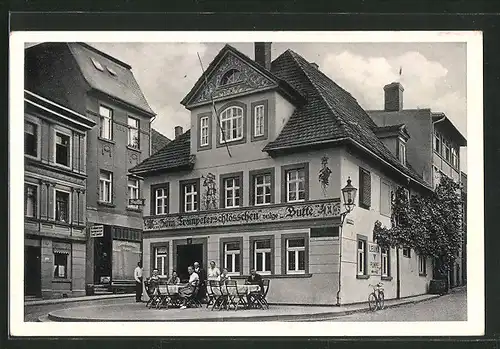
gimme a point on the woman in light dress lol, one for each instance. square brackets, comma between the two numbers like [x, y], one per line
[213, 273]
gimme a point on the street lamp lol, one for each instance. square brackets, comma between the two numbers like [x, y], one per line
[349, 196]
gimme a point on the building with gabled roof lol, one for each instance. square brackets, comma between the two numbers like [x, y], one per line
[256, 184]
[103, 89]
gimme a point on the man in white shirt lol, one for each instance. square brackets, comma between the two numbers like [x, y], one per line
[138, 282]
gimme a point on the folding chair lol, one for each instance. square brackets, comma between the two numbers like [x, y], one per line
[234, 297]
[259, 297]
[193, 298]
[172, 299]
[162, 297]
[153, 292]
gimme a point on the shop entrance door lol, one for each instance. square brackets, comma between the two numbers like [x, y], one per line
[32, 271]
[186, 256]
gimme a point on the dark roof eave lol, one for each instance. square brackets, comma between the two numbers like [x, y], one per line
[157, 171]
[117, 99]
[276, 151]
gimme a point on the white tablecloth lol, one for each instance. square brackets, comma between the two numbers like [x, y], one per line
[242, 289]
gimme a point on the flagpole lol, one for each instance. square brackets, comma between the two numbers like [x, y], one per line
[213, 106]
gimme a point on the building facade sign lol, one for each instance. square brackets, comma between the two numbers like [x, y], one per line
[374, 259]
[267, 214]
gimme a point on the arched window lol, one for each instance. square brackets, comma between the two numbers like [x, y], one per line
[230, 77]
[231, 120]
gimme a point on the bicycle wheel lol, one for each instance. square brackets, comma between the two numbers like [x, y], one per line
[381, 300]
[372, 302]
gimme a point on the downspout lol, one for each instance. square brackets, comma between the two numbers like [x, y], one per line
[342, 217]
[398, 280]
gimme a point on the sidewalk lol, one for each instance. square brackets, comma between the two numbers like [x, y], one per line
[138, 312]
[76, 299]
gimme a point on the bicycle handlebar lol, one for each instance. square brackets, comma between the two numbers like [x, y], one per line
[377, 285]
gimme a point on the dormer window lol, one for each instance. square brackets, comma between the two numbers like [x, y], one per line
[111, 70]
[230, 77]
[402, 151]
[96, 63]
[231, 124]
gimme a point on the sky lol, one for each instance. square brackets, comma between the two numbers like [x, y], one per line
[433, 74]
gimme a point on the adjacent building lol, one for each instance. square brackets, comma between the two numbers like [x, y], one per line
[103, 89]
[433, 150]
[256, 183]
[55, 175]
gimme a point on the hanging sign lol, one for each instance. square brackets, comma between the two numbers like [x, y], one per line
[136, 202]
[97, 231]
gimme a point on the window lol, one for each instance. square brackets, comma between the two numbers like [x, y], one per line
[232, 191]
[437, 142]
[30, 139]
[406, 252]
[133, 133]
[161, 260]
[385, 198]
[189, 192]
[447, 150]
[259, 120]
[365, 190]
[262, 189]
[385, 262]
[204, 131]
[30, 200]
[231, 124]
[111, 70]
[402, 152]
[295, 185]
[96, 63]
[230, 77]
[159, 199]
[454, 157]
[422, 265]
[361, 260]
[262, 256]
[60, 265]
[133, 190]
[295, 256]
[105, 186]
[106, 119]
[63, 149]
[62, 209]
[232, 257]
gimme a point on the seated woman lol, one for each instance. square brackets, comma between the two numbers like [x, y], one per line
[187, 291]
[174, 279]
[224, 277]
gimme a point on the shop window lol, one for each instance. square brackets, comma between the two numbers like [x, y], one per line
[30, 139]
[159, 199]
[232, 257]
[361, 260]
[60, 265]
[61, 207]
[406, 252]
[262, 254]
[232, 191]
[30, 200]
[422, 265]
[295, 251]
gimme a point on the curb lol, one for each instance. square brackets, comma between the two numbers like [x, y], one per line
[77, 299]
[282, 317]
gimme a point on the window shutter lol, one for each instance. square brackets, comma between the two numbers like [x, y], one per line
[365, 197]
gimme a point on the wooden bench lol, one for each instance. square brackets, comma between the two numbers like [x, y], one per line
[123, 286]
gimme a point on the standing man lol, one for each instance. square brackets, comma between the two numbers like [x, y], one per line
[201, 274]
[138, 282]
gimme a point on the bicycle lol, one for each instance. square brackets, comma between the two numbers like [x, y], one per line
[376, 298]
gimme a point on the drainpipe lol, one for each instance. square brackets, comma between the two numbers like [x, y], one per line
[341, 228]
[150, 132]
[398, 281]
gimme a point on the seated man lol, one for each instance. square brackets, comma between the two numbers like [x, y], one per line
[187, 292]
[254, 279]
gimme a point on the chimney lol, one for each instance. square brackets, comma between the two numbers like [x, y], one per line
[263, 54]
[178, 131]
[393, 97]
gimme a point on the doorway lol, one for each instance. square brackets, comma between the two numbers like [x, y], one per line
[32, 271]
[186, 256]
[103, 254]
